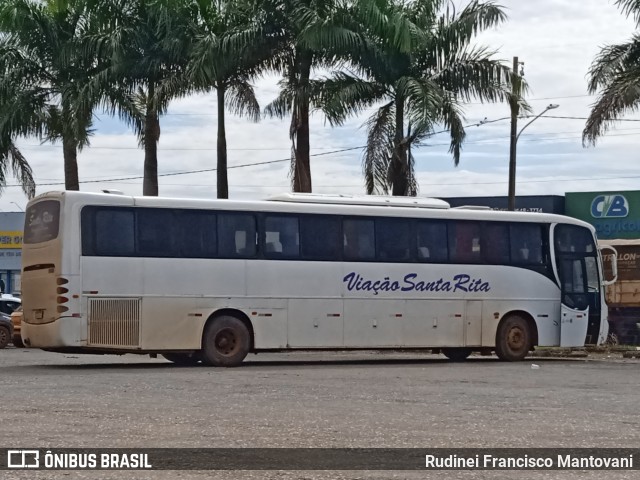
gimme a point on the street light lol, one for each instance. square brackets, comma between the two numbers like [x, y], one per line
[512, 157]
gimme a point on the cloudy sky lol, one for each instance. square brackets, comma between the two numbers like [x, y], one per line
[556, 40]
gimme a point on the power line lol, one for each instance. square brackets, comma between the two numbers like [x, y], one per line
[570, 179]
[582, 118]
[422, 184]
[188, 172]
[42, 145]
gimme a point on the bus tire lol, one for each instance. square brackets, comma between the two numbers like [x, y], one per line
[17, 341]
[226, 342]
[513, 339]
[456, 354]
[185, 359]
[5, 336]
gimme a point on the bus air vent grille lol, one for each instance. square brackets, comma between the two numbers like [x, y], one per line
[114, 322]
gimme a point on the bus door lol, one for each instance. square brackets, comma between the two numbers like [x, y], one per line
[574, 306]
[577, 268]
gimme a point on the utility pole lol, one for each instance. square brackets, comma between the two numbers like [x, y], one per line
[513, 103]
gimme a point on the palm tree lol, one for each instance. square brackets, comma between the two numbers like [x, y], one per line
[146, 42]
[316, 34]
[421, 65]
[41, 77]
[615, 76]
[230, 48]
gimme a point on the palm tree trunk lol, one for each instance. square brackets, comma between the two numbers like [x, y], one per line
[222, 178]
[151, 138]
[69, 151]
[302, 167]
[70, 154]
[399, 168]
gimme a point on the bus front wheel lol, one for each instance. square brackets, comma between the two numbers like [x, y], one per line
[456, 354]
[513, 340]
[226, 342]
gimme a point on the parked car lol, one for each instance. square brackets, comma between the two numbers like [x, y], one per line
[9, 303]
[6, 330]
[16, 321]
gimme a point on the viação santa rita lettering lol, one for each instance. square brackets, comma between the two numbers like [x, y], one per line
[412, 283]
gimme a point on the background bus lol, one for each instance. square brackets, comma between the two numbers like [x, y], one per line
[212, 280]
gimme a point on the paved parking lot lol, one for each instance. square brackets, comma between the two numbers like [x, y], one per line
[365, 399]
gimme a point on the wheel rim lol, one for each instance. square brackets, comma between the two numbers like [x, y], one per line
[516, 339]
[4, 336]
[226, 342]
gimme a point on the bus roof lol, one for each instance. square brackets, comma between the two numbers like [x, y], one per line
[312, 203]
[373, 200]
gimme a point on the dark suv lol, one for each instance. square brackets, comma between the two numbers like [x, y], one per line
[6, 330]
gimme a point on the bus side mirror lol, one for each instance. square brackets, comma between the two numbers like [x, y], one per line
[614, 264]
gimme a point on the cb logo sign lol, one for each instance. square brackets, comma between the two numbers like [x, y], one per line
[609, 206]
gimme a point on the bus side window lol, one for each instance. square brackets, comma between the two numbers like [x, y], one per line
[359, 239]
[320, 237]
[526, 244]
[392, 239]
[236, 235]
[196, 232]
[154, 232]
[114, 232]
[281, 236]
[432, 241]
[496, 243]
[464, 242]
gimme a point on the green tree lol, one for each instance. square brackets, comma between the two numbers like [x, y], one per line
[41, 77]
[316, 34]
[419, 62]
[615, 76]
[232, 42]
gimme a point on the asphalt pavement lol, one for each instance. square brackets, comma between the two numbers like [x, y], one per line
[306, 399]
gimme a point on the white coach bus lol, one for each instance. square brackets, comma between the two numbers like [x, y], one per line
[212, 280]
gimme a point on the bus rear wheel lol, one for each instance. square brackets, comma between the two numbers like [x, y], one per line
[185, 359]
[5, 336]
[513, 340]
[225, 342]
[456, 354]
[17, 341]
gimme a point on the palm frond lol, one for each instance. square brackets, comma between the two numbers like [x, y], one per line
[610, 60]
[12, 159]
[345, 94]
[241, 100]
[631, 8]
[283, 104]
[620, 96]
[379, 150]
[412, 181]
[453, 119]
[474, 75]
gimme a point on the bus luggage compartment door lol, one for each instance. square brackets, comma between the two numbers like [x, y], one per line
[473, 323]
